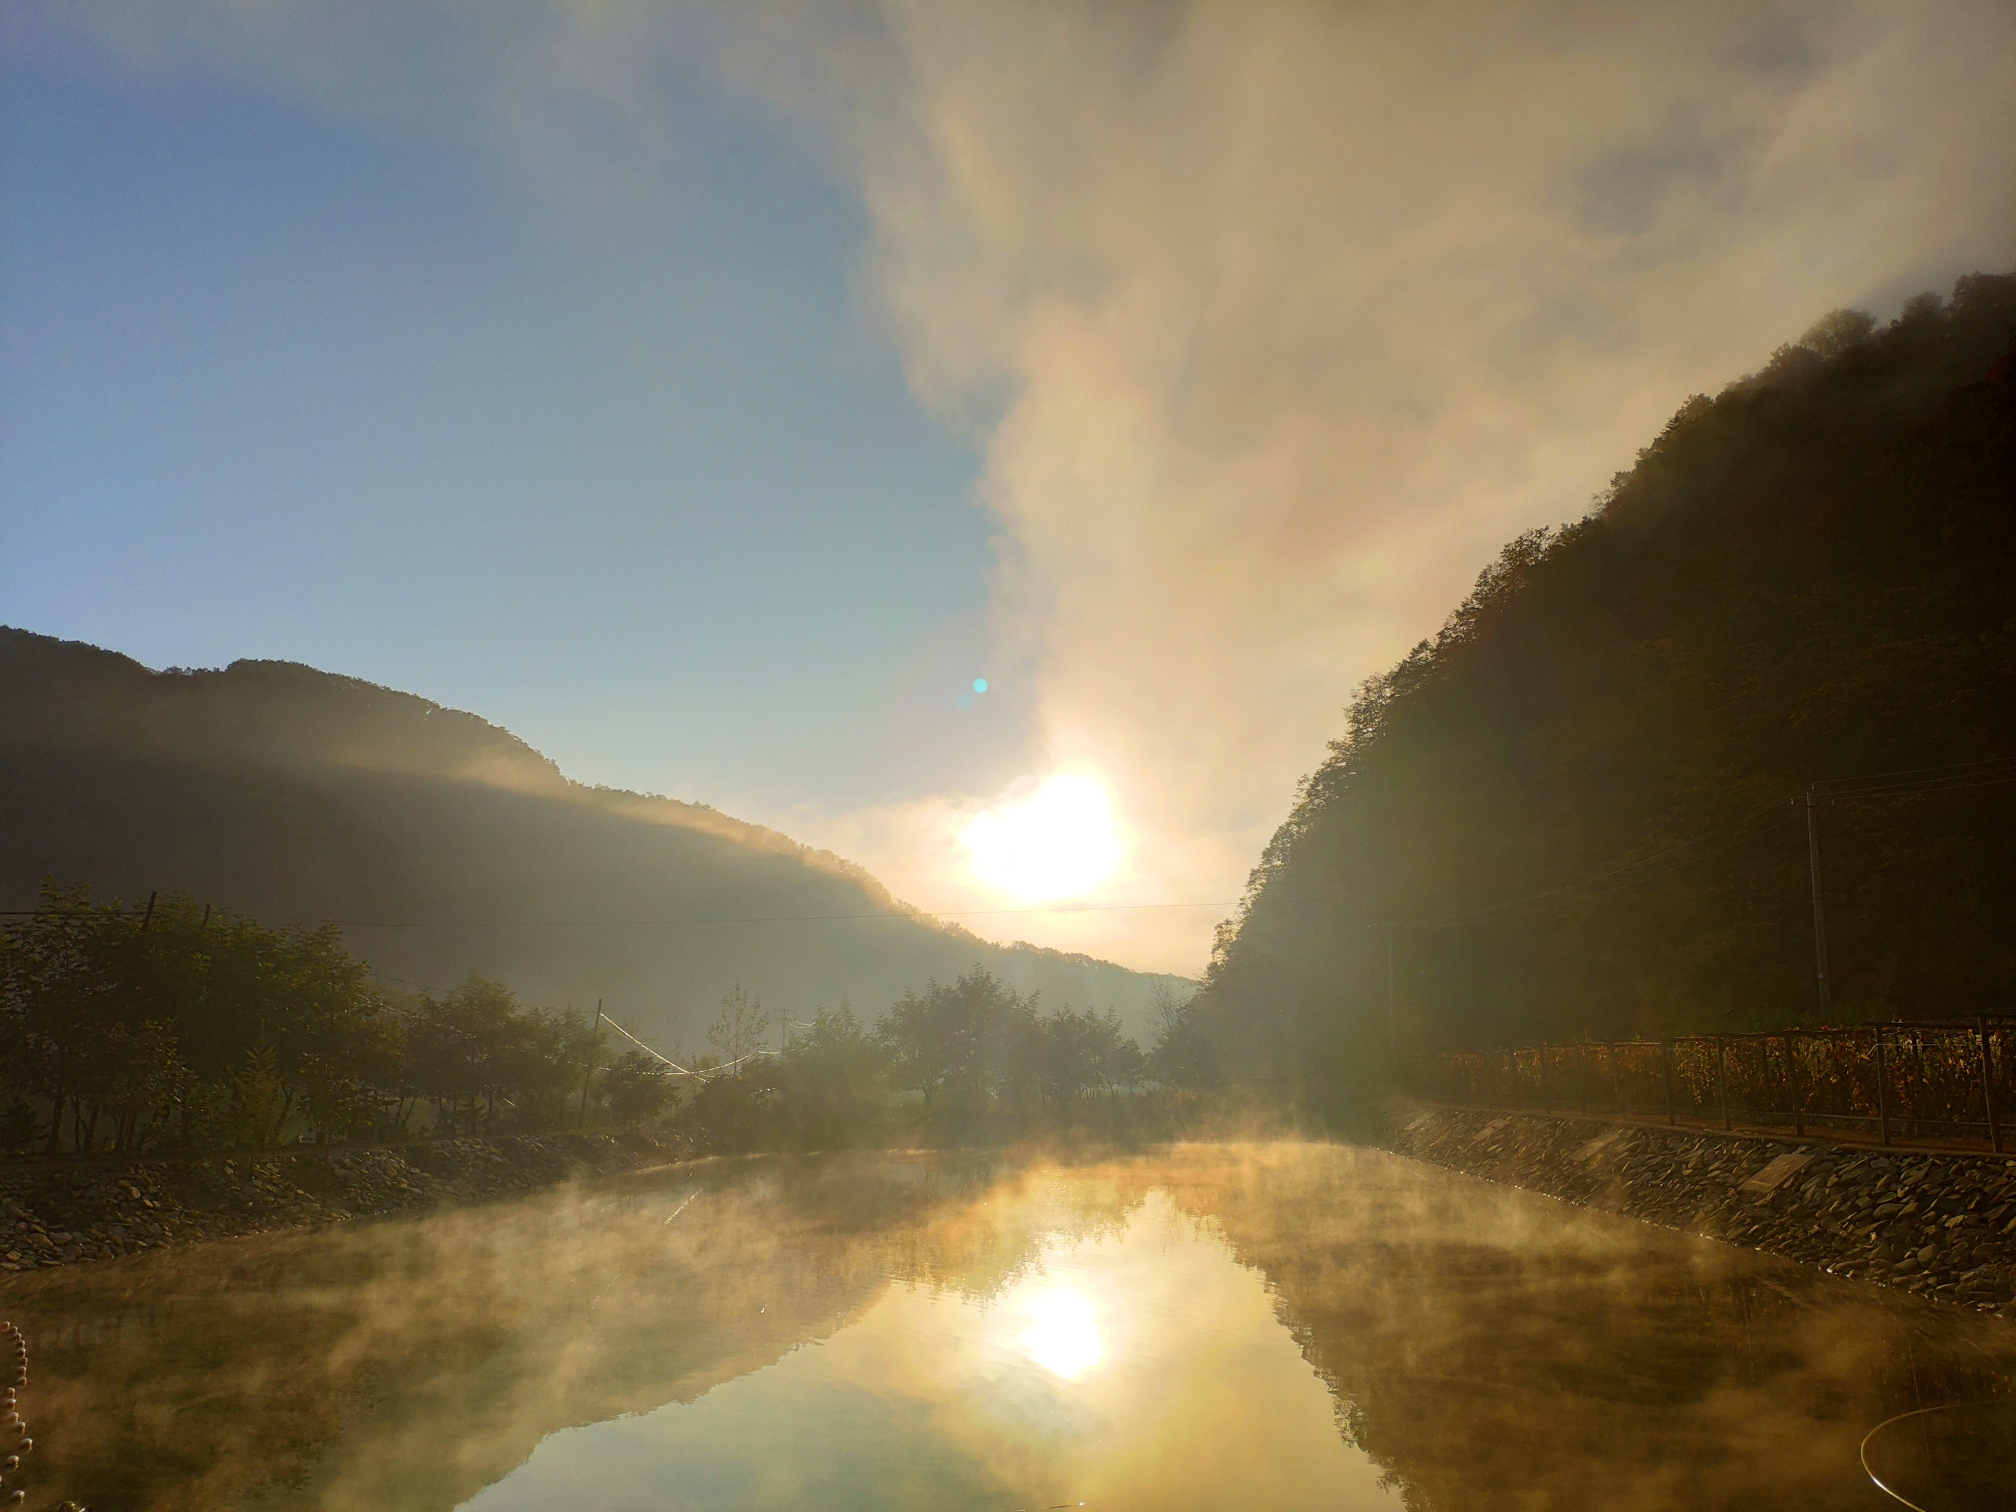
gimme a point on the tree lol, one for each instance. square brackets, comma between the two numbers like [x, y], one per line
[832, 1079]
[475, 1048]
[743, 1028]
[962, 1044]
[1185, 1054]
[1082, 1051]
[638, 1087]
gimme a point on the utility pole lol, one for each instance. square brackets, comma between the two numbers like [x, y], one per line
[1819, 913]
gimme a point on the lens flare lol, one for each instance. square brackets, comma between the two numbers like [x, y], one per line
[1058, 844]
[1063, 1334]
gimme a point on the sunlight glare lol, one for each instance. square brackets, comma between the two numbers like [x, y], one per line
[1058, 844]
[1063, 1335]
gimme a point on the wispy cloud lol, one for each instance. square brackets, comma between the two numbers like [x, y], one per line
[1275, 318]
[1282, 317]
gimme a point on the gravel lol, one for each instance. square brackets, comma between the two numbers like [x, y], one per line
[68, 1212]
[1941, 1225]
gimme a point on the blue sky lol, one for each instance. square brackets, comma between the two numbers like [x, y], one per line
[638, 481]
[710, 390]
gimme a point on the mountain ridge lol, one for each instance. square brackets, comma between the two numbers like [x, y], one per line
[301, 795]
[1809, 576]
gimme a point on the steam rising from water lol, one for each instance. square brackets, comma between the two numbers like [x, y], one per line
[1267, 1317]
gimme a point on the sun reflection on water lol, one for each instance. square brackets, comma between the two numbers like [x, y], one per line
[1063, 1333]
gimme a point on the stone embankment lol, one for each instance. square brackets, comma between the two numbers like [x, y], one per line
[1940, 1225]
[62, 1212]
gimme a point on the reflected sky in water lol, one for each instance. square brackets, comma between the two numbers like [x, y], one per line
[1144, 1367]
[1266, 1326]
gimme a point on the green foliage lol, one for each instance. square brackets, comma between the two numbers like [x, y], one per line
[1811, 575]
[1186, 1054]
[18, 1126]
[184, 1027]
[832, 1083]
[978, 1044]
[737, 1111]
[485, 1062]
[1080, 1053]
[179, 1024]
[638, 1087]
[188, 1027]
[963, 1044]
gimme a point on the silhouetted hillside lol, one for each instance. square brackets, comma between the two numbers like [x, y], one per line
[448, 845]
[1578, 794]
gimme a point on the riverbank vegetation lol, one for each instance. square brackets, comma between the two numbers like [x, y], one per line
[177, 1026]
[1578, 811]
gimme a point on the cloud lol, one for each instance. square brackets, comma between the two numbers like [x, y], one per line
[1276, 319]
[1280, 318]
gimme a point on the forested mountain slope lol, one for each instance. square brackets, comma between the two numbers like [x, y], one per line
[1578, 796]
[448, 845]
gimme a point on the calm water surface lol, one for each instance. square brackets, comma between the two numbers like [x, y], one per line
[1289, 1326]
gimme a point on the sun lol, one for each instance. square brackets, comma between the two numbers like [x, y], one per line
[1063, 1333]
[1060, 843]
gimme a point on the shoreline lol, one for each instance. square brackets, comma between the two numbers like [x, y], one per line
[1933, 1224]
[55, 1213]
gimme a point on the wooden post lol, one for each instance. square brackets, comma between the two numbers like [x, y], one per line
[1582, 1077]
[1616, 1086]
[1666, 1074]
[1988, 1085]
[1546, 1102]
[1882, 1089]
[1722, 1078]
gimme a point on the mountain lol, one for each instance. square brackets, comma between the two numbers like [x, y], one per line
[444, 844]
[1583, 800]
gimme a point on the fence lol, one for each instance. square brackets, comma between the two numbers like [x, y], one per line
[1914, 1082]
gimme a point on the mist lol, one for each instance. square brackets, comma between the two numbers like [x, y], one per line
[911, 754]
[1326, 1301]
[1277, 320]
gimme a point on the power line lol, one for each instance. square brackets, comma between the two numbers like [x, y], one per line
[919, 916]
[1952, 770]
[647, 1049]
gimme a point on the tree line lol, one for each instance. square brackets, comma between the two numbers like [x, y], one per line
[182, 1026]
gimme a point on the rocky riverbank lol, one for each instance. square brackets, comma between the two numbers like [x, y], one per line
[63, 1212]
[1940, 1225]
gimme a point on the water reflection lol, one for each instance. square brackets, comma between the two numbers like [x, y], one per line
[1273, 1326]
[1137, 1367]
[1063, 1334]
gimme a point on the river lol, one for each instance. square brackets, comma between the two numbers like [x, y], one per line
[1252, 1326]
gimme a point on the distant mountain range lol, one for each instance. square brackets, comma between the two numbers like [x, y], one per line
[446, 845]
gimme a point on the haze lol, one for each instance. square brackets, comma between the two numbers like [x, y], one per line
[720, 397]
